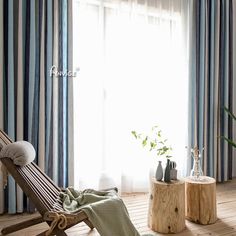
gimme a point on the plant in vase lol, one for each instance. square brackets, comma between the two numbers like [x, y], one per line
[156, 143]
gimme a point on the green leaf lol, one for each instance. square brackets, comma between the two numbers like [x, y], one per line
[153, 145]
[134, 134]
[159, 152]
[230, 113]
[145, 141]
[229, 141]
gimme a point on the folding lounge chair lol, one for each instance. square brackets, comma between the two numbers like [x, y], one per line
[44, 194]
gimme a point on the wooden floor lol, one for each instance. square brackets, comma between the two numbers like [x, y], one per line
[138, 206]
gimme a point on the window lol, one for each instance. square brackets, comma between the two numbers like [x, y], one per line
[133, 75]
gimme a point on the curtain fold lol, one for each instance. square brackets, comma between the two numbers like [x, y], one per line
[1, 100]
[42, 105]
[234, 84]
[70, 98]
[63, 93]
[55, 90]
[33, 104]
[20, 92]
[211, 84]
[10, 127]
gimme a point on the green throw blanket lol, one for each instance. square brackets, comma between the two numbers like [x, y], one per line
[105, 210]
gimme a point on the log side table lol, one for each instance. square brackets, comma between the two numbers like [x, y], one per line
[167, 206]
[201, 200]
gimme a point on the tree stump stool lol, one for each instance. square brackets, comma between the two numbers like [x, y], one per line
[201, 200]
[167, 206]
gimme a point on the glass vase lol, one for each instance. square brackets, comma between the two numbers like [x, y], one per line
[196, 172]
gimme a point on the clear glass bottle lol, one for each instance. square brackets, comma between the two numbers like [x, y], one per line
[196, 172]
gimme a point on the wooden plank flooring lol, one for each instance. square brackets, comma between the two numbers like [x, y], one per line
[137, 205]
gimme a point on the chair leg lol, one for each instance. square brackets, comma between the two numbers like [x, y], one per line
[22, 225]
[88, 223]
[61, 233]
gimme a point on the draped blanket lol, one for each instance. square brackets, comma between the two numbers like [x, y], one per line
[105, 210]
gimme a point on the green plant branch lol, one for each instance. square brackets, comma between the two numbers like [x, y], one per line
[230, 113]
[155, 142]
[231, 142]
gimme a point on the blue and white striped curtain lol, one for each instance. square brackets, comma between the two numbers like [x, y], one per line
[34, 36]
[212, 79]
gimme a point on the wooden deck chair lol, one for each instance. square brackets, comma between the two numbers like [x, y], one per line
[44, 193]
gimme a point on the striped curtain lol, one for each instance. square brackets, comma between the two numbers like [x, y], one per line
[34, 36]
[212, 79]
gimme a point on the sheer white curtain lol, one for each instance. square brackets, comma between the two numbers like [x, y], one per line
[132, 57]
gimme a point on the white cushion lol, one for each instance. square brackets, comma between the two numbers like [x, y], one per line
[21, 152]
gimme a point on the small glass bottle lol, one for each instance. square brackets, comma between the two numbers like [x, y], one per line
[196, 172]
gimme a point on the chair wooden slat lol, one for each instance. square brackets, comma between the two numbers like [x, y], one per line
[39, 188]
[42, 185]
[44, 181]
[49, 180]
[26, 186]
[34, 191]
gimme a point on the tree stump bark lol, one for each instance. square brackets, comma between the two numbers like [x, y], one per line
[201, 200]
[167, 206]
